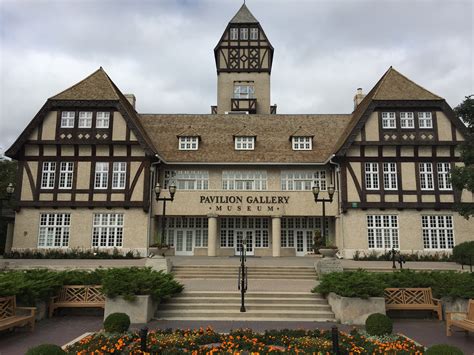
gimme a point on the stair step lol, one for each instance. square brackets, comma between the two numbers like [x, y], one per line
[250, 305]
[190, 300]
[273, 295]
[236, 314]
[249, 317]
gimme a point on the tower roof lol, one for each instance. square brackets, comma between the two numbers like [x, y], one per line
[244, 16]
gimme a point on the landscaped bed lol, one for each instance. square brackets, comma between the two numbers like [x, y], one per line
[206, 341]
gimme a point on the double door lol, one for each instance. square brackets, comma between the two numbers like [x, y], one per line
[184, 242]
[304, 242]
[249, 234]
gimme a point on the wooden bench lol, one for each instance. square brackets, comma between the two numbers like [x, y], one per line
[10, 318]
[461, 320]
[419, 299]
[73, 296]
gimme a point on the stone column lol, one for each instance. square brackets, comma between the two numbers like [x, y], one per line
[276, 235]
[212, 235]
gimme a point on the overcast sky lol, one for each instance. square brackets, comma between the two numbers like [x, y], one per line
[162, 51]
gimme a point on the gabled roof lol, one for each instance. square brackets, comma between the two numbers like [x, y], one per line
[245, 132]
[243, 16]
[301, 132]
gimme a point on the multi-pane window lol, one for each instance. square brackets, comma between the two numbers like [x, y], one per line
[107, 230]
[244, 180]
[196, 227]
[303, 180]
[383, 231]
[306, 225]
[48, 175]
[234, 34]
[229, 226]
[101, 175]
[425, 120]
[389, 176]
[302, 143]
[444, 176]
[372, 176]
[244, 143]
[438, 232]
[66, 172]
[244, 33]
[187, 179]
[407, 120]
[244, 91]
[426, 176]
[85, 119]
[67, 119]
[254, 33]
[54, 230]
[102, 120]
[389, 120]
[188, 143]
[119, 171]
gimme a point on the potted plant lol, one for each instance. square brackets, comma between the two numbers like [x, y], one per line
[324, 247]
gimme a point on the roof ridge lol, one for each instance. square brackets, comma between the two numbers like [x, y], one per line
[243, 15]
[380, 82]
[411, 81]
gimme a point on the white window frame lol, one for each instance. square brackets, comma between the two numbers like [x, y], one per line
[48, 175]
[54, 230]
[66, 175]
[302, 143]
[187, 179]
[85, 119]
[407, 120]
[189, 143]
[444, 176]
[244, 33]
[107, 230]
[438, 232]
[101, 178]
[244, 143]
[426, 176]
[102, 119]
[119, 175]
[390, 176]
[372, 176]
[389, 120]
[234, 34]
[425, 120]
[244, 91]
[199, 226]
[303, 180]
[383, 232]
[246, 180]
[254, 33]
[67, 119]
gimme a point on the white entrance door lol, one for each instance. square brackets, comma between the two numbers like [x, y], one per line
[184, 242]
[239, 234]
[304, 242]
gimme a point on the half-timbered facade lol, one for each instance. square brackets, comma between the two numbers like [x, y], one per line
[89, 164]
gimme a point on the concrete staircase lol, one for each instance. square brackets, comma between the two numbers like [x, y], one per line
[260, 306]
[254, 272]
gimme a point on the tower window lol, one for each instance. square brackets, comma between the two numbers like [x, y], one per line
[244, 33]
[254, 33]
[244, 91]
[234, 34]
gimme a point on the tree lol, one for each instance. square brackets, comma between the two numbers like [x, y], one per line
[463, 177]
[7, 175]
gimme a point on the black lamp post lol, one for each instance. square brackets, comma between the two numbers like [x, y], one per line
[316, 192]
[172, 190]
[10, 190]
[242, 285]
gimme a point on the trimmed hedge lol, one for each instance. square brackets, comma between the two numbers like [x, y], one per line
[443, 349]
[464, 253]
[366, 284]
[117, 323]
[378, 324]
[46, 349]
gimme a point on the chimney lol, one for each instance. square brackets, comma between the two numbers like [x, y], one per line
[131, 98]
[359, 96]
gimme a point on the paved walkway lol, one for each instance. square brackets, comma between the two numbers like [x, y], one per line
[61, 330]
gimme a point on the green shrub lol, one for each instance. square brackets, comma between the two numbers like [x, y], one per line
[70, 254]
[117, 323]
[464, 253]
[378, 324]
[129, 282]
[46, 349]
[443, 349]
[374, 255]
[351, 284]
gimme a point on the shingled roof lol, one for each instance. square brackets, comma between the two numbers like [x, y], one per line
[217, 131]
[244, 16]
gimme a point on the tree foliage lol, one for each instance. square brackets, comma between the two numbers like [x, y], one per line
[463, 177]
[7, 175]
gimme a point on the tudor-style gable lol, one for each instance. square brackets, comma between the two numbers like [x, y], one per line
[399, 147]
[84, 148]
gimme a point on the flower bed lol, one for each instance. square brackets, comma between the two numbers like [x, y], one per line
[206, 341]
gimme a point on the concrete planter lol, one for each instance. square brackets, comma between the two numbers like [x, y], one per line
[141, 310]
[353, 310]
[159, 263]
[162, 251]
[454, 305]
[328, 252]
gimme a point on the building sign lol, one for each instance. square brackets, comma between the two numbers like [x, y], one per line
[248, 203]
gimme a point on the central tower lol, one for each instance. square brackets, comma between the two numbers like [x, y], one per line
[244, 59]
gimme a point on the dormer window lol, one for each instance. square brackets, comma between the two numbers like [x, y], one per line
[188, 143]
[103, 119]
[234, 34]
[407, 120]
[389, 120]
[244, 91]
[67, 119]
[244, 33]
[425, 120]
[244, 143]
[85, 119]
[302, 143]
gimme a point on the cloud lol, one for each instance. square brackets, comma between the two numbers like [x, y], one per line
[162, 51]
